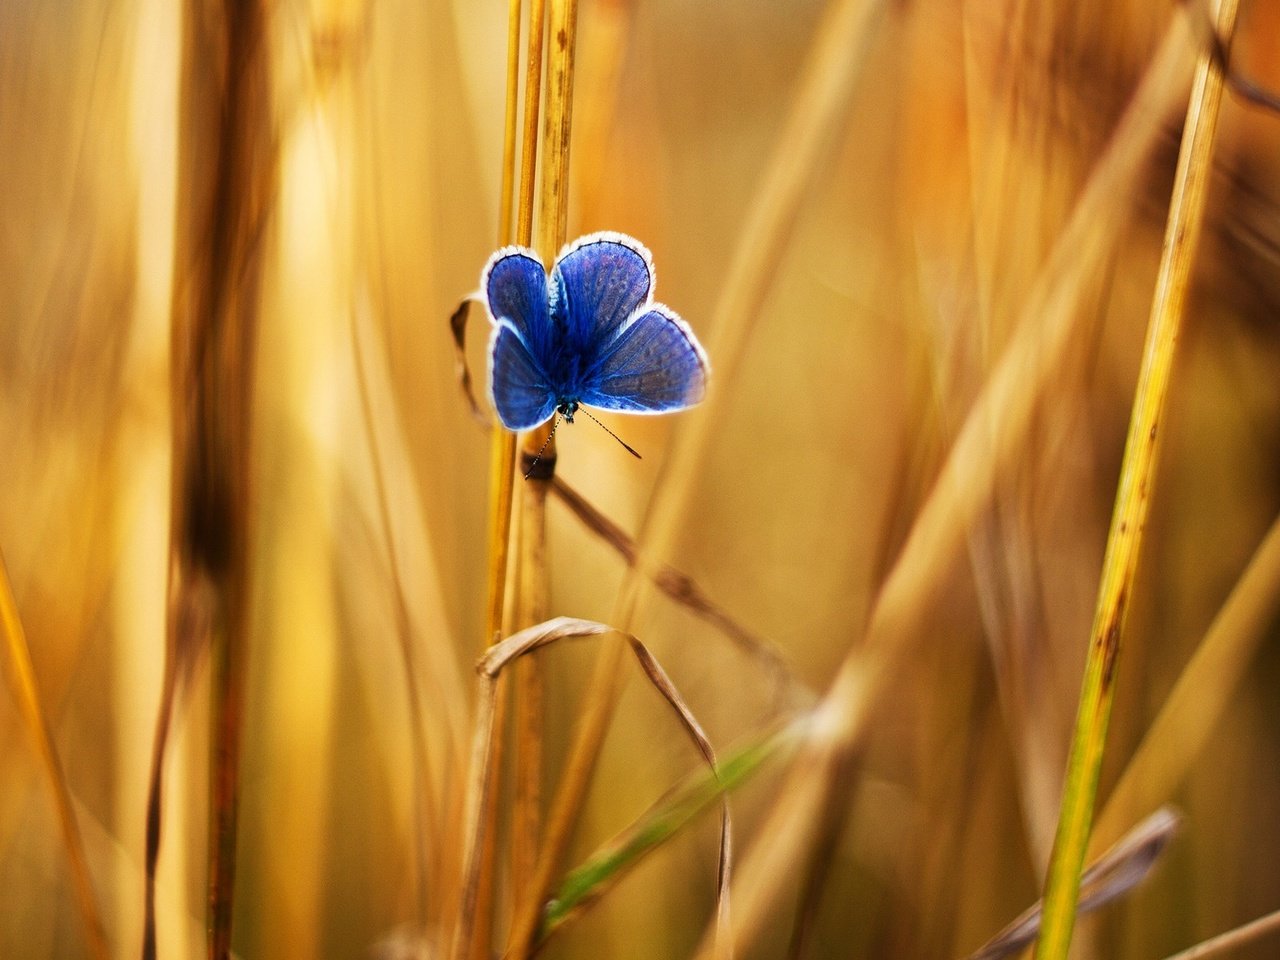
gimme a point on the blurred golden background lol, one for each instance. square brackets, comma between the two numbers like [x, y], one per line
[932, 204]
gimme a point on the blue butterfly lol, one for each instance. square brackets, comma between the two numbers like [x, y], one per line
[587, 334]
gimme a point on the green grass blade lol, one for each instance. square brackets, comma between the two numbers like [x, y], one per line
[595, 876]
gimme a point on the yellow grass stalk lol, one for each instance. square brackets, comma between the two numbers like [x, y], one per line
[552, 220]
[993, 433]
[474, 920]
[532, 578]
[502, 449]
[502, 456]
[532, 607]
[507, 193]
[1133, 499]
[22, 680]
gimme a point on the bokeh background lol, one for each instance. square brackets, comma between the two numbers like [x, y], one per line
[928, 214]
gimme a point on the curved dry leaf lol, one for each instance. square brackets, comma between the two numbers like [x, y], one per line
[1113, 875]
[458, 327]
[501, 655]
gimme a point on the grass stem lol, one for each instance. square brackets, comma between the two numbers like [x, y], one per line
[1133, 499]
[474, 921]
[553, 200]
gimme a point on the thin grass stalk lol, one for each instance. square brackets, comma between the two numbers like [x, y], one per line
[539, 444]
[532, 608]
[992, 435]
[1239, 937]
[227, 162]
[532, 579]
[510, 126]
[502, 453]
[476, 824]
[502, 450]
[1133, 499]
[532, 108]
[22, 681]
[474, 928]
[838, 54]
[502, 460]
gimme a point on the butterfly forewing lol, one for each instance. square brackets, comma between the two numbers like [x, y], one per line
[515, 289]
[597, 285]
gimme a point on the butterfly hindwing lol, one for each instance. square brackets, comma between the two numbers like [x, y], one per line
[521, 394]
[597, 284]
[654, 365]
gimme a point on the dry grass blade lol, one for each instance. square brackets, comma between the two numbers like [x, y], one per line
[22, 681]
[563, 628]
[531, 638]
[1115, 873]
[1173, 742]
[1238, 937]
[1137, 477]
[683, 589]
[662, 683]
[993, 432]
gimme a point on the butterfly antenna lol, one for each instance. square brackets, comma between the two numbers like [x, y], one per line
[543, 449]
[625, 446]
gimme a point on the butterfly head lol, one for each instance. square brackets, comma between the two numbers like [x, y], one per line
[566, 409]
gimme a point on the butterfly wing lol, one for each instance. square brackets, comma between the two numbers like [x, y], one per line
[654, 365]
[521, 394]
[597, 284]
[514, 284]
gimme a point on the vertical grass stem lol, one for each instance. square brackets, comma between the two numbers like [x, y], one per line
[1133, 499]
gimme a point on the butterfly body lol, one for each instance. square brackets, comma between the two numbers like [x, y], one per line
[589, 333]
